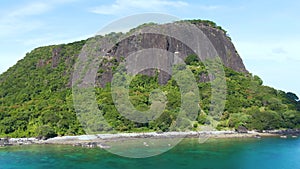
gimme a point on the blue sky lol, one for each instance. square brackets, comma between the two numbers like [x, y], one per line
[265, 33]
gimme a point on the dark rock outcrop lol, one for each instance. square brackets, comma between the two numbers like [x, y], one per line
[224, 47]
[242, 129]
[222, 43]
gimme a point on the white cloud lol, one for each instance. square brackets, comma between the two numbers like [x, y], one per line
[21, 19]
[279, 50]
[30, 9]
[123, 6]
[209, 7]
[15, 22]
[15, 27]
[274, 51]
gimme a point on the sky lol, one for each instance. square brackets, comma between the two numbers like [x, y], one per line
[265, 33]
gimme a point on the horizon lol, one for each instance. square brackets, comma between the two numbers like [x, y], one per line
[268, 50]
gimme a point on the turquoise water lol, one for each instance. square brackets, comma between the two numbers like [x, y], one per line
[267, 153]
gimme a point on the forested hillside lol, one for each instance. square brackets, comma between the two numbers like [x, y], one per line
[36, 98]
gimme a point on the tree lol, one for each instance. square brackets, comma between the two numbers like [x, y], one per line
[45, 132]
[292, 96]
[190, 59]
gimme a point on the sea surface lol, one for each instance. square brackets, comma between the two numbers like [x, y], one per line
[247, 153]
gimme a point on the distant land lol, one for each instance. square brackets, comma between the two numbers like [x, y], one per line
[36, 97]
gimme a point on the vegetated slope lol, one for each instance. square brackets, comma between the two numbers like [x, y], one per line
[36, 95]
[248, 103]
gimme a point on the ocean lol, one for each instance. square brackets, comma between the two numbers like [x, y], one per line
[237, 153]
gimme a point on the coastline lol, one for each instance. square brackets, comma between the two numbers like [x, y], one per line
[101, 140]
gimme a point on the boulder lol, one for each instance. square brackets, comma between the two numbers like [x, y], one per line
[242, 129]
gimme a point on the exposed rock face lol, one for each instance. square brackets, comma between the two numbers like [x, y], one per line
[224, 47]
[55, 57]
[41, 63]
[218, 38]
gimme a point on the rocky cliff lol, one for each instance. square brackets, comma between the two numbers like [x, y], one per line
[217, 36]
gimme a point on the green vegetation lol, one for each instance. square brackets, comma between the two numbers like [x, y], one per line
[248, 103]
[35, 94]
[36, 99]
[205, 22]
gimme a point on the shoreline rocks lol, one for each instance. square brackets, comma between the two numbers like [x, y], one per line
[17, 141]
[100, 140]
